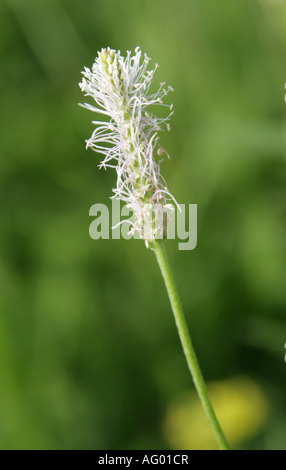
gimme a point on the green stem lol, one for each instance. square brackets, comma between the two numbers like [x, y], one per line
[161, 255]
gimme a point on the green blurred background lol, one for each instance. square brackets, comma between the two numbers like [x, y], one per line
[89, 355]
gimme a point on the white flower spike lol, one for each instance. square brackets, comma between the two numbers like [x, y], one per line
[129, 140]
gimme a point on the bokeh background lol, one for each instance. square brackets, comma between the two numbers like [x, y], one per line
[89, 354]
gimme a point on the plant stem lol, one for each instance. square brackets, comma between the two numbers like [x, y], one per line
[161, 255]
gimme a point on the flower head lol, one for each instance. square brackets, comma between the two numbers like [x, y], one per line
[128, 139]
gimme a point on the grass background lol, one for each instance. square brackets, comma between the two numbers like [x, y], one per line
[89, 355]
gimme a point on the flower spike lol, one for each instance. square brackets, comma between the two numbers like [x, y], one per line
[129, 140]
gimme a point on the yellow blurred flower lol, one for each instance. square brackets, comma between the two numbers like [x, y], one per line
[241, 408]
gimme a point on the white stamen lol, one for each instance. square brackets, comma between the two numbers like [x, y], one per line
[129, 141]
